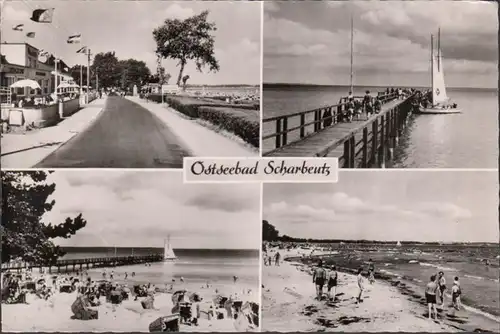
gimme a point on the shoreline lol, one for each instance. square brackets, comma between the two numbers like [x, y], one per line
[410, 304]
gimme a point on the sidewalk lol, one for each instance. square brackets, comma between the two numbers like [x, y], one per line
[201, 141]
[26, 150]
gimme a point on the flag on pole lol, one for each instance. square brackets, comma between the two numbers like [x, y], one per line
[43, 15]
[30, 35]
[82, 50]
[74, 39]
[18, 27]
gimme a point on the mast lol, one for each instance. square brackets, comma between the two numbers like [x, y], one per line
[432, 69]
[352, 47]
[439, 50]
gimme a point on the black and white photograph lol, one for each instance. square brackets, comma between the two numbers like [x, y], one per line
[401, 84]
[128, 251]
[128, 84]
[409, 251]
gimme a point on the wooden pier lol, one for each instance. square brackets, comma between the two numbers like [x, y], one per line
[72, 265]
[363, 143]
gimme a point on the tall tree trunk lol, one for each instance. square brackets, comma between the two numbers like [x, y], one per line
[179, 78]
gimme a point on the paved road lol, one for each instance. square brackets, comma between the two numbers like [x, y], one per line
[124, 135]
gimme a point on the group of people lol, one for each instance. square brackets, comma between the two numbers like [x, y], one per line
[269, 259]
[329, 276]
[436, 290]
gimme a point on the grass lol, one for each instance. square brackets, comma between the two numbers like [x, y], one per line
[242, 119]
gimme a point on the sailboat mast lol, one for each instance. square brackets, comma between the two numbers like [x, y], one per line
[439, 50]
[432, 68]
[352, 49]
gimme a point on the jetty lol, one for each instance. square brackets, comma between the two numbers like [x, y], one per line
[363, 143]
[72, 265]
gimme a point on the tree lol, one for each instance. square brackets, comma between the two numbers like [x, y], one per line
[107, 67]
[133, 72]
[24, 235]
[269, 232]
[189, 39]
[75, 74]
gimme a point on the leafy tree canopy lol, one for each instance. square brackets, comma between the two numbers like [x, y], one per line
[24, 234]
[189, 39]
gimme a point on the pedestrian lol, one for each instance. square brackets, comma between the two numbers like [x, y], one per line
[361, 287]
[277, 259]
[319, 277]
[456, 292]
[332, 283]
[371, 271]
[442, 287]
[430, 296]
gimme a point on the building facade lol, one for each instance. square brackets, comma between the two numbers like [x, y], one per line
[21, 61]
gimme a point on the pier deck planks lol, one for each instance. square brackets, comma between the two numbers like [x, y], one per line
[329, 137]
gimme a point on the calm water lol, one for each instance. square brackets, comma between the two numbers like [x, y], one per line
[467, 140]
[194, 265]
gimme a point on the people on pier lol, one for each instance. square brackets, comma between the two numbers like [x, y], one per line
[350, 110]
[377, 106]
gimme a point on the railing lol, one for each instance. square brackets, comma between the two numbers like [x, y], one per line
[372, 143]
[323, 117]
[97, 260]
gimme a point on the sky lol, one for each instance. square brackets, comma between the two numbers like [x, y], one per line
[140, 209]
[126, 28]
[308, 42]
[458, 206]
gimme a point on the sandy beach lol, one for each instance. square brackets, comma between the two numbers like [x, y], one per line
[55, 314]
[288, 301]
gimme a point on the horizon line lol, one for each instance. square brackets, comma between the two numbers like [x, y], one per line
[362, 85]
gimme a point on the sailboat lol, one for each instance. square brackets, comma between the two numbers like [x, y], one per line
[168, 252]
[398, 244]
[439, 101]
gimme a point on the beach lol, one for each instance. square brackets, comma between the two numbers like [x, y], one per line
[209, 276]
[392, 303]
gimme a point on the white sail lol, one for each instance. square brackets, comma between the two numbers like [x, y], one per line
[398, 244]
[438, 86]
[168, 252]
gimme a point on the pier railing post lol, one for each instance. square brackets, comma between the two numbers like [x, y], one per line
[285, 128]
[302, 122]
[364, 162]
[352, 154]
[278, 130]
[381, 151]
[347, 152]
[373, 159]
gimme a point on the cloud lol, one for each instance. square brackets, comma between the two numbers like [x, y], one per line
[141, 208]
[176, 11]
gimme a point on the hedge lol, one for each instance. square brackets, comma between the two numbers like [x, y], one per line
[243, 119]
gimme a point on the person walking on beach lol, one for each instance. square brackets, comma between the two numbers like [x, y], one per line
[332, 283]
[371, 271]
[442, 286]
[430, 296]
[319, 277]
[361, 288]
[456, 292]
[277, 259]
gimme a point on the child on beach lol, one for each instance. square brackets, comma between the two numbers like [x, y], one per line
[319, 277]
[371, 271]
[332, 283]
[430, 296]
[455, 294]
[360, 286]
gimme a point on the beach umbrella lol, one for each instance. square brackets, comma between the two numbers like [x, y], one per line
[26, 83]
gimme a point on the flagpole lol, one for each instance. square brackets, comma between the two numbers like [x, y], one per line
[81, 79]
[88, 75]
[55, 77]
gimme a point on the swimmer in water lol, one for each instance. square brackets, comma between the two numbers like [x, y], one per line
[133, 273]
[235, 278]
[126, 275]
[182, 279]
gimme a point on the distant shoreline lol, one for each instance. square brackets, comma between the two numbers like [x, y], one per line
[283, 85]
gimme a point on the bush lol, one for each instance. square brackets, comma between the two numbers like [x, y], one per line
[241, 122]
[243, 119]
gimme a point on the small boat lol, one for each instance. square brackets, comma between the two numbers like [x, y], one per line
[398, 244]
[440, 102]
[168, 252]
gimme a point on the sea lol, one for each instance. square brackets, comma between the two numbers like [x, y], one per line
[193, 265]
[479, 282]
[466, 140]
